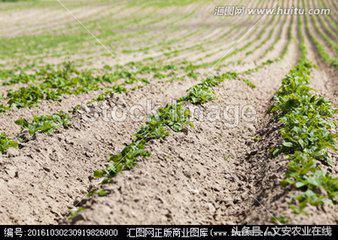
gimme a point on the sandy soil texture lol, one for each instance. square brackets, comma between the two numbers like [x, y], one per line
[221, 171]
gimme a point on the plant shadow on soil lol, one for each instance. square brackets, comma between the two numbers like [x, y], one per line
[265, 173]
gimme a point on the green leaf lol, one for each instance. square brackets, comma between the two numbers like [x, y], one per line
[102, 192]
[99, 173]
[287, 144]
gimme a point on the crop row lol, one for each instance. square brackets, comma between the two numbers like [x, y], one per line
[278, 58]
[322, 51]
[321, 28]
[331, 21]
[308, 136]
[51, 83]
[68, 71]
[75, 39]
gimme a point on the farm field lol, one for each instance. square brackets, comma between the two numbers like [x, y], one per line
[167, 112]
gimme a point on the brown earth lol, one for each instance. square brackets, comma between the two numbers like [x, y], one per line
[214, 173]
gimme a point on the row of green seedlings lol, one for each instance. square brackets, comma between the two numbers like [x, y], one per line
[308, 136]
[278, 58]
[261, 44]
[173, 117]
[322, 51]
[66, 69]
[330, 19]
[227, 34]
[7, 73]
[33, 73]
[318, 27]
[208, 42]
[39, 124]
[68, 80]
[240, 49]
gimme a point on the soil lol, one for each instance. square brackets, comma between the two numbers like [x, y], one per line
[218, 172]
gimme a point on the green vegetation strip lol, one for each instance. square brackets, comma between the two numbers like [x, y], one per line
[278, 58]
[44, 123]
[307, 132]
[332, 44]
[322, 51]
[6, 143]
[308, 136]
[52, 83]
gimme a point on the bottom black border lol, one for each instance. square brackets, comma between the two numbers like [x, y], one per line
[166, 231]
